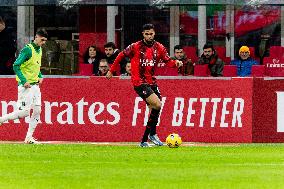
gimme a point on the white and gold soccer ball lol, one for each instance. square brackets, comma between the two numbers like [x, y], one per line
[173, 140]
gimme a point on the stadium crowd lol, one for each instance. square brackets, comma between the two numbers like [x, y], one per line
[210, 63]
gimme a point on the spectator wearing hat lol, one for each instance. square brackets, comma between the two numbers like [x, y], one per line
[244, 62]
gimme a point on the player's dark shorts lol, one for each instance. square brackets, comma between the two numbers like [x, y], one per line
[145, 90]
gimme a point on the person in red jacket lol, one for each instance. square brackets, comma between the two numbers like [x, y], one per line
[144, 56]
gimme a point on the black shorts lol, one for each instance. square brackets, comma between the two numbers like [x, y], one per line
[145, 90]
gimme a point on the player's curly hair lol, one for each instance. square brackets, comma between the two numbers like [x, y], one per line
[148, 27]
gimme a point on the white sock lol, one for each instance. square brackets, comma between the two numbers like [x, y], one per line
[32, 126]
[33, 121]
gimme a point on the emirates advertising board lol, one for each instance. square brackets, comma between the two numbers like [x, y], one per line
[94, 109]
[268, 110]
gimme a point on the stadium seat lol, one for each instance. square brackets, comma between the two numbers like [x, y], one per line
[221, 51]
[86, 69]
[230, 71]
[166, 71]
[257, 70]
[160, 69]
[276, 52]
[171, 71]
[190, 52]
[274, 67]
[201, 70]
[267, 61]
[227, 60]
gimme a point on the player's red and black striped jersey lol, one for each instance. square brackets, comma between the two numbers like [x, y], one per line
[144, 58]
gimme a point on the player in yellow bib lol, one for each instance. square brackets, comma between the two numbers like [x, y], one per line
[28, 75]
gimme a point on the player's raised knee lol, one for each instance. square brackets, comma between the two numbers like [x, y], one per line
[157, 105]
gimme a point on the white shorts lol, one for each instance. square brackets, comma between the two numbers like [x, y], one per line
[28, 97]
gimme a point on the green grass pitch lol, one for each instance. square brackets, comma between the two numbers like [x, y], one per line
[92, 166]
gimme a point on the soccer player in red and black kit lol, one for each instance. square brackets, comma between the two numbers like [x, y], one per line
[144, 56]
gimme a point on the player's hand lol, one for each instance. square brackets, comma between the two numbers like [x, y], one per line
[40, 80]
[108, 75]
[27, 85]
[179, 63]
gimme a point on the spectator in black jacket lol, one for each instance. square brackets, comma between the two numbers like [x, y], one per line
[111, 53]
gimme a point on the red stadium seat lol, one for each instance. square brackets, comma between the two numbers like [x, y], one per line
[266, 62]
[274, 67]
[201, 70]
[230, 71]
[227, 60]
[86, 69]
[191, 53]
[166, 71]
[257, 70]
[160, 69]
[276, 51]
[221, 51]
[171, 71]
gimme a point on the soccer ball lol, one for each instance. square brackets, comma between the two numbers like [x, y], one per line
[173, 140]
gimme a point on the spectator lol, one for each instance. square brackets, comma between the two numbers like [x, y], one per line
[103, 68]
[7, 50]
[187, 68]
[244, 62]
[127, 69]
[210, 57]
[92, 56]
[111, 53]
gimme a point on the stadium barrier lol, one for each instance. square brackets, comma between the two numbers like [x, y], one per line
[268, 109]
[200, 109]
